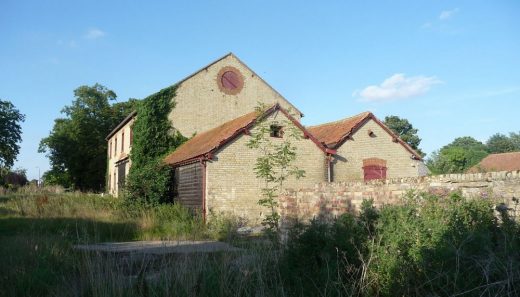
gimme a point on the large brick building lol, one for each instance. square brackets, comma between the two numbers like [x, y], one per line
[214, 169]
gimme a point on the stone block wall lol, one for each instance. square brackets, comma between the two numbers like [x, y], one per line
[333, 199]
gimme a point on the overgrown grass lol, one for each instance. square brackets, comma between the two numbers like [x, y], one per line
[428, 246]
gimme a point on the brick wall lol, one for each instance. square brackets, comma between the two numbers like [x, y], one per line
[348, 164]
[201, 105]
[333, 199]
[232, 186]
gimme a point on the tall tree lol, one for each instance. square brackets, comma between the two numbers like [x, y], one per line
[76, 145]
[404, 129]
[500, 143]
[458, 156]
[10, 134]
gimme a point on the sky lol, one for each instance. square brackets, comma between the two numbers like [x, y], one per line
[452, 68]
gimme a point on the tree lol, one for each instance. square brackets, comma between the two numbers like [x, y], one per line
[10, 134]
[458, 156]
[274, 166]
[500, 143]
[515, 139]
[76, 145]
[404, 129]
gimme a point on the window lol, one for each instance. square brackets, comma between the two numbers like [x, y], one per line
[276, 131]
[115, 146]
[123, 142]
[131, 137]
[230, 81]
[110, 149]
[109, 181]
[114, 181]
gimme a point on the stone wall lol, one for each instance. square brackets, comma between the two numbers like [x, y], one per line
[333, 199]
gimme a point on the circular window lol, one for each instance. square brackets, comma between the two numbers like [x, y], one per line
[230, 80]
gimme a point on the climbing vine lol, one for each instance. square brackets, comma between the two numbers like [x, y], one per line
[153, 138]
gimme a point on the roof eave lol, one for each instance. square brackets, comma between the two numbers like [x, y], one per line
[121, 124]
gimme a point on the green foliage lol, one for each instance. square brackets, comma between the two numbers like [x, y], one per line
[275, 164]
[404, 129]
[324, 253]
[458, 156]
[154, 137]
[150, 183]
[76, 146]
[10, 134]
[500, 143]
[433, 246]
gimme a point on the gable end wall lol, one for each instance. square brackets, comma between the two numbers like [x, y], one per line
[348, 165]
[200, 105]
[232, 186]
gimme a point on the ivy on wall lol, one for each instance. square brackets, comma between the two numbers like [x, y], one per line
[153, 138]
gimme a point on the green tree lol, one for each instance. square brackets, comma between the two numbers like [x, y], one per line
[500, 143]
[10, 134]
[76, 146]
[458, 156]
[274, 165]
[515, 138]
[404, 129]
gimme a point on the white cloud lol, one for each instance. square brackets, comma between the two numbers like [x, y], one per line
[397, 86]
[94, 33]
[446, 14]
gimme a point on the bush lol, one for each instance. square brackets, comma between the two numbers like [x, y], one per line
[442, 246]
[151, 184]
[325, 256]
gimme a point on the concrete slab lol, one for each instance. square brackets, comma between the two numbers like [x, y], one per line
[159, 247]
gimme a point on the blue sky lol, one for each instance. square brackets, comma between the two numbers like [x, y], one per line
[451, 67]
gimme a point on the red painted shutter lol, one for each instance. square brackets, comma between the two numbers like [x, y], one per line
[374, 172]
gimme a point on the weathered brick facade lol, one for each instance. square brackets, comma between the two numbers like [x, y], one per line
[201, 105]
[232, 186]
[348, 162]
[118, 150]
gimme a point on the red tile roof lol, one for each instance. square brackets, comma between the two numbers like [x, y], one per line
[334, 134]
[498, 162]
[204, 144]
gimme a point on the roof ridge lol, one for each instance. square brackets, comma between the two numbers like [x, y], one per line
[341, 120]
[506, 153]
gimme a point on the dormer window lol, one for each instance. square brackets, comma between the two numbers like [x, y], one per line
[276, 131]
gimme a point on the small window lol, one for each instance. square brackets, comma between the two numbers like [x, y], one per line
[114, 181]
[109, 182]
[110, 149]
[276, 131]
[115, 146]
[123, 142]
[131, 137]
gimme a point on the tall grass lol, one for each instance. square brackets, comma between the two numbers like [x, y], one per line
[427, 246]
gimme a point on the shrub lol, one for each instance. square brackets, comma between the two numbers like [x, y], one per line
[441, 246]
[325, 256]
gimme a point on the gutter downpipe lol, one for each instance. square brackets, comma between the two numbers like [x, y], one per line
[329, 168]
[203, 169]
